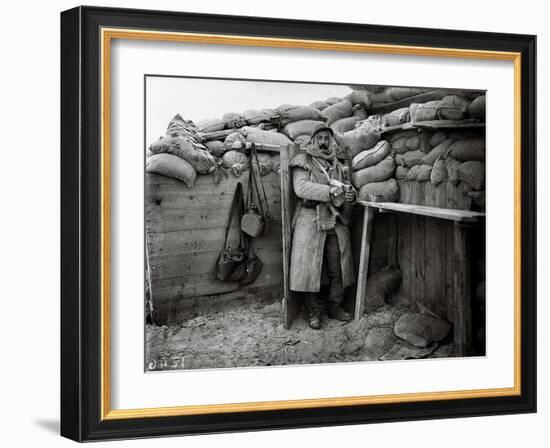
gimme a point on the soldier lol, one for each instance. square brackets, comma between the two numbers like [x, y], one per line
[321, 236]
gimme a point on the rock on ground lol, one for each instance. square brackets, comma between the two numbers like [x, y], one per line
[421, 330]
[402, 350]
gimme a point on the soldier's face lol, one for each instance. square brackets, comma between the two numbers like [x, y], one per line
[323, 141]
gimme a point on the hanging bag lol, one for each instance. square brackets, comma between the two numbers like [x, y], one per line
[255, 221]
[230, 258]
[240, 264]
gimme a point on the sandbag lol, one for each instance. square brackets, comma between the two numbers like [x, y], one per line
[452, 169]
[233, 120]
[398, 93]
[391, 94]
[406, 144]
[265, 163]
[398, 116]
[410, 158]
[361, 97]
[216, 147]
[473, 174]
[385, 191]
[194, 153]
[302, 140]
[437, 138]
[211, 125]
[439, 172]
[236, 161]
[171, 166]
[404, 141]
[254, 117]
[477, 108]
[178, 127]
[358, 140]
[380, 286]
[468, 149]
[426, 111]
[302, 127]
[234, 140]
[401, 172]
[371, 156]
[359, 111]
[370, 124]
[383, 170]
[478, 197]
[439, 151]
[337, 111]
[420, 173]
[453, 107]
[319, 105]
[288, 113]
[333, 100]
[258, 136]
[345, 124]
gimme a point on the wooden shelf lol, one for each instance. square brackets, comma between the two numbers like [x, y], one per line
[435, 124]
[424, 210]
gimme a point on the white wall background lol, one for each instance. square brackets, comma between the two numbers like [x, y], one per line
[29, 114]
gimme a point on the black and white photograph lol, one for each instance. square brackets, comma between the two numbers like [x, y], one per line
[303, 223]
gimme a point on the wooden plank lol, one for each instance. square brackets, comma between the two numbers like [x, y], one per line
[205, 284]
[449, 270]
[404, 191]
[404, 252]
[166, 266]
[440, 196]
[368, 216]
[462, 322]
[392, 241]
[429, 194]
[290, 305]
[418, 257]
[435, 212]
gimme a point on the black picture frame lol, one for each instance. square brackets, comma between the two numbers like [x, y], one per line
[81, 215]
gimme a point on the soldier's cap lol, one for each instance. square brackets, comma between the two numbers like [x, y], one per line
[324, 128]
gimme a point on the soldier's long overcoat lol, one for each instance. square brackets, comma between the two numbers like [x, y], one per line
[308, 242]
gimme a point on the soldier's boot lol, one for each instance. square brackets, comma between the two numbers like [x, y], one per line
[313, 310]
[335, 311]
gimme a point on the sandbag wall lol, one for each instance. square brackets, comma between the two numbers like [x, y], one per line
[430, 153]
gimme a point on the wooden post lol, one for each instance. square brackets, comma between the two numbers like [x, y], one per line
[290, 305]
[462, 321]
[366, 236]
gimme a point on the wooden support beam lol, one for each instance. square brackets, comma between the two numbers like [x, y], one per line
[462, 322]
[290, 305]
[366, 236]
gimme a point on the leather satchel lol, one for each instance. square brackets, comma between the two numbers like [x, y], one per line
[254, 222]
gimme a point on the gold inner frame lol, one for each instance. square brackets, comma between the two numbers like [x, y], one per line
[107, 35]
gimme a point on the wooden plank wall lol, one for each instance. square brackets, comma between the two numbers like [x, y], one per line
[185, 227]
[445, 195]
[422, 247]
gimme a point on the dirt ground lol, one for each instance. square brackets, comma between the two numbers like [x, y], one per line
[247, 332]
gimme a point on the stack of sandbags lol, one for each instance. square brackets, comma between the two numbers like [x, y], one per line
[171, 166]
[298, 122]
[187, 155]
[373, 170]
[357, 140]
[451, 107]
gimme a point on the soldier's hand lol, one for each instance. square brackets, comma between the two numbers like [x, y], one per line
[350, 196]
